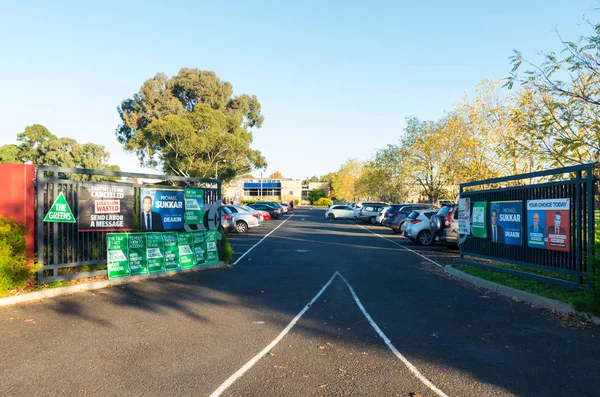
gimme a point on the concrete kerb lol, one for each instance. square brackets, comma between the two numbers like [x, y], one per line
[534, 299]
[72, 289]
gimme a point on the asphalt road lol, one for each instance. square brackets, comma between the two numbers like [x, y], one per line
[387, 322]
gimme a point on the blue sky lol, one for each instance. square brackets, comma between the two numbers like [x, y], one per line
[335, 79]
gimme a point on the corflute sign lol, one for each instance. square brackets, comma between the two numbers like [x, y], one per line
[105, 207]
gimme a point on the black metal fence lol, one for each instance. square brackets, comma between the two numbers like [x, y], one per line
[61, 246]
[573, 267]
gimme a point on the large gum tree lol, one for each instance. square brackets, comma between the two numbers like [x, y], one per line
[191, 125]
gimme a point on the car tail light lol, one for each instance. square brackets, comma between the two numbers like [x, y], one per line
[414, 221]
[448, 220]
[381, 213]
[256, 215]
[226, 217]
[360, 213]
[392, 215]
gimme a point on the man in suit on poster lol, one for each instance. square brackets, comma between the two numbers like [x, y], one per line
[151, 221]
[497, 234]
[556, 229]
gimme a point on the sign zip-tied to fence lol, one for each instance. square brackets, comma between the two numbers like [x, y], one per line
[464, 219]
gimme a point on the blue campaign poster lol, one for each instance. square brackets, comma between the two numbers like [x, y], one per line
[162, 209]
[536, 230]
[506, 222]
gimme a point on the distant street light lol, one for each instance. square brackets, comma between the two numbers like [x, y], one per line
[217, 165]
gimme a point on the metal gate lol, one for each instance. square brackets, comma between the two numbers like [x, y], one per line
[60, 246]
[576, 183]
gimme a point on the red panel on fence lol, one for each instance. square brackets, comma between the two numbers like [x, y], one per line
[17, 197]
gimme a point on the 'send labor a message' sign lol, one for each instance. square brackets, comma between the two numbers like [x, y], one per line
[105, 207]
[60, 211]
[131, 254]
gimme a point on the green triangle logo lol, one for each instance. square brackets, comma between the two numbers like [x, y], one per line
[60, 211]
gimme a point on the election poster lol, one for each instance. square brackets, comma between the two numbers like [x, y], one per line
[212, 253]
[137, 254]
[548, 224]
[105, 207]
[194, 203]
[131, 254]
[187, 258]
[478, 224]
[117, 255]
[506, 222]
[200, 247]
[464, 216]
[155, 252]
[162, 209]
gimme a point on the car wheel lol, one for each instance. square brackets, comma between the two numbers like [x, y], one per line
[372, 220]
[330, 216]
[425, 237]
[241, 227]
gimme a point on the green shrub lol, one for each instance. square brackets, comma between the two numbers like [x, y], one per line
[323, 201]
[250, 201]
[226, 249]
[14, 269]
[315, 195]
[296, 202]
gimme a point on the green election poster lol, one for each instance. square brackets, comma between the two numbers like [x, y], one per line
[212, 255]
[155, 248]
[117, 250]
[137, 254]
[478, 225]
[200, 247]
[194, 203]
[187, 259]
[171, 251]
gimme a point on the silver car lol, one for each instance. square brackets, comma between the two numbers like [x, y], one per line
[445, 224]
[369, 211]
[244, 219]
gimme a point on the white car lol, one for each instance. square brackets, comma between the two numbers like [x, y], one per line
[339, 212]
[381, 215]
[417, 227]
[286, 207]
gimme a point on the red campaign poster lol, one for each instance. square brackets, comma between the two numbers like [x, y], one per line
[558, 232]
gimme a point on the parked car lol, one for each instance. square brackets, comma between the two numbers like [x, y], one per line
[286, 207]
[381, 215]
[444, 224]
[226, 220]
[418, 228]
[275, 212]
[397, 213]
[274, 204]
[369, 211]
[360, 204]
[339, 212]
[265, 215]
[243, 219]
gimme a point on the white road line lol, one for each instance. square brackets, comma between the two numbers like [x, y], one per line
[400, 245]
[266, 350]
[387, 341]
[261, 240]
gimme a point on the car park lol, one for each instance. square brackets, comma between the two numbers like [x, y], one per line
[444, 224]
[273, 204]
[244, 219]
[418, 228]
[369, 211]
[339, 212]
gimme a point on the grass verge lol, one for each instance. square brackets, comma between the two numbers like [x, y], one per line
[580, 300]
